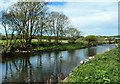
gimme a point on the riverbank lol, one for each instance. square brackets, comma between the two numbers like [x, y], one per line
[47, 48]
[103, 68]
[62, 46]
[59, 47]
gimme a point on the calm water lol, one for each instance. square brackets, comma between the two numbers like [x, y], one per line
[46, 66]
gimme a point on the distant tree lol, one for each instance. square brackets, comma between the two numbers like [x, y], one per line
[90, 39]
[59, 23]
[73, 33]
[100, 39]
[116, 41]
[109, 39]
[79, 40]
[49, 28]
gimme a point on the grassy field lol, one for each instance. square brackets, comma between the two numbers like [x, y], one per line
[44, 40]
[62, 46]
[33, 40]
[103, 68]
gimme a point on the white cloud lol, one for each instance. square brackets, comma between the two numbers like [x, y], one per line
[1, 29]
[5, 4]
[91, 17]
[83, 0]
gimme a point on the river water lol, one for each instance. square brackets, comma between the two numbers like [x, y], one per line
[46, 66]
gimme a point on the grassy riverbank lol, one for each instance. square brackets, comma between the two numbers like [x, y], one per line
[45, 46]
[103, 68]
[62, 46]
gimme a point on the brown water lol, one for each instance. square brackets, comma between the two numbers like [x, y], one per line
[46, 66]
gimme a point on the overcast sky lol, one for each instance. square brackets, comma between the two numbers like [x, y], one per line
[92, 18]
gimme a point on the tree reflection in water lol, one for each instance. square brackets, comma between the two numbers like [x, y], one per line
[90, 51]
[44, 66]
[23, 70]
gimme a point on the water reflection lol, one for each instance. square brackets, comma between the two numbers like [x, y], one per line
[91, 51]
[45, 66]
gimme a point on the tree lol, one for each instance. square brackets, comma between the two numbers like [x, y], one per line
[109, 39]
[27, 17]
[73, 33]
[63, 24]
[59, 24]
[6, 22]
[49, 28]
[90, 39]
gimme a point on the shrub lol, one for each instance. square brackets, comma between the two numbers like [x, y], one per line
[91, 39]
[71, 41]
[79, 40]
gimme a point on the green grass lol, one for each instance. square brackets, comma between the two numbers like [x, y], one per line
[2, 41]
[44, 40]
[46, 46]
[33, 40]
[62, 46]
[103, 68]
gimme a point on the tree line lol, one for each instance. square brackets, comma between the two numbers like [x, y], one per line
[23, 20]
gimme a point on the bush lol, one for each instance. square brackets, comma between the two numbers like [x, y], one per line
[3, 38]
[79, 40]
[116, 41]
[71, 41]
[92, 40]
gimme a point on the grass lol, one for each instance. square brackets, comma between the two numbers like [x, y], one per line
[44, 40]
[33, 40]
[46, 46]
[2, 41]
[103, 68]
[62, 46]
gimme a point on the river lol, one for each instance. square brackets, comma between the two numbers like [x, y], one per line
[46, 66]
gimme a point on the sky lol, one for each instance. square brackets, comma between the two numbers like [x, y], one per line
[92, 18]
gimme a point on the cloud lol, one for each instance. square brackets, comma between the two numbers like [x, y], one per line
[83, 0]
[91, 17]
[4, 4]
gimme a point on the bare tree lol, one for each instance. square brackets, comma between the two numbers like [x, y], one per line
[60, 22]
